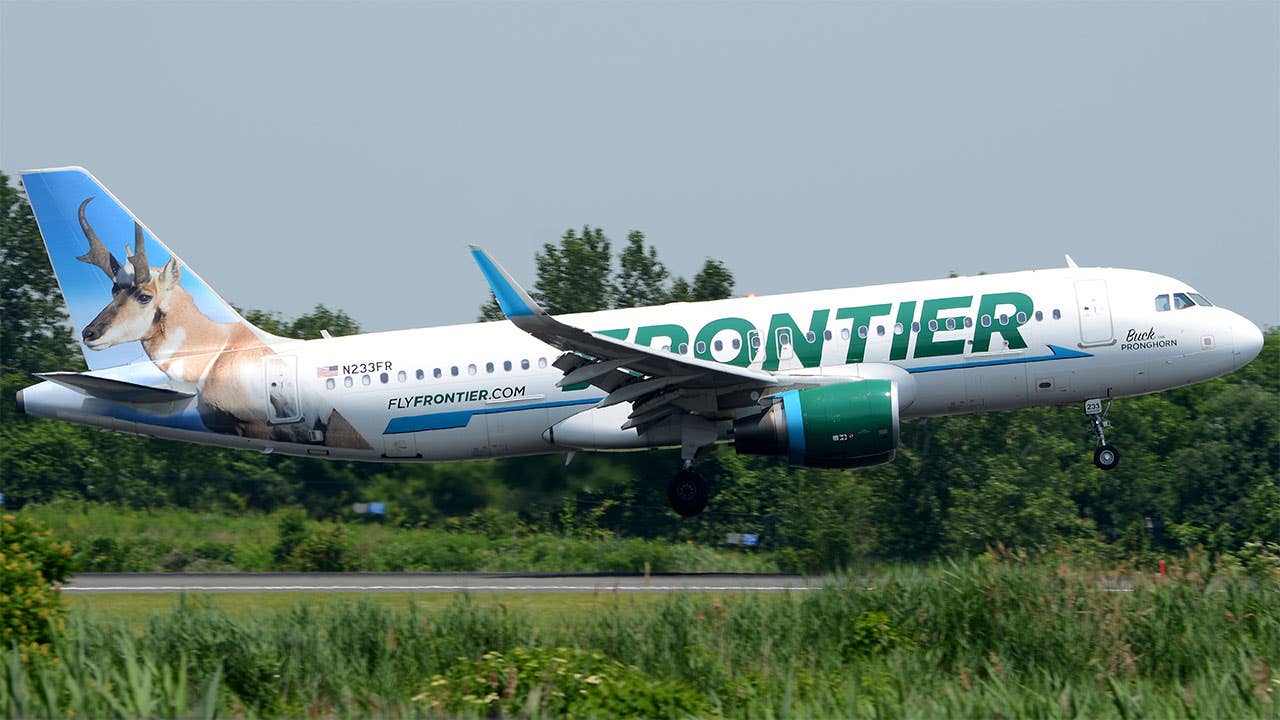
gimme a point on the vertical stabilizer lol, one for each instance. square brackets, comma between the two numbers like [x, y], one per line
[119, 281]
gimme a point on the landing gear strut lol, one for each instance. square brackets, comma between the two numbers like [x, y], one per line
[1105, 456]
[687, 492]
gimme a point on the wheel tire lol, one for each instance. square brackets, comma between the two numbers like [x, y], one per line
[1106, 457]
[687, 493]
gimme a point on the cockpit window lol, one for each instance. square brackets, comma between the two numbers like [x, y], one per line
[1181, 301]
[1162, 303]
[1200, 299]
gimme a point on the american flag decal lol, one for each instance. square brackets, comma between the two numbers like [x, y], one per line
[328, 371]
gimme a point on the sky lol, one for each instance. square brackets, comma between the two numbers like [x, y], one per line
[345, 153]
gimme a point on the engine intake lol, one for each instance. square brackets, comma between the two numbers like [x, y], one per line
[834, 426]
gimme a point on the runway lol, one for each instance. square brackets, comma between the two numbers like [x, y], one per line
[104, 583]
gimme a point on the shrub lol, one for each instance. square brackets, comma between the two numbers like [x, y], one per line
[564, 682]
[32, 564]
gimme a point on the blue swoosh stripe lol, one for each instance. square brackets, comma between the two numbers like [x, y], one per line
[1058, 353]
[460, 418]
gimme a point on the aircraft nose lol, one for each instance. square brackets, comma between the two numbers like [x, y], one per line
[1248, 342]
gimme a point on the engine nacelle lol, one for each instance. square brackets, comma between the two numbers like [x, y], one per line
[836, 426]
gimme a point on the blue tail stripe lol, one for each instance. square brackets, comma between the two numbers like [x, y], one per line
[460, 418]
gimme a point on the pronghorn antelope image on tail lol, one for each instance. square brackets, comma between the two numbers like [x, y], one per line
[215, 363]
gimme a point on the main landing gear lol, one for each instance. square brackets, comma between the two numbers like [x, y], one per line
[1105, 456]
[687, 492]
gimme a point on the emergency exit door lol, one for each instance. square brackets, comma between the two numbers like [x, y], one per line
[1094, 310]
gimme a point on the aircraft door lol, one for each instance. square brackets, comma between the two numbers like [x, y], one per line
[400, 445]
[282, 389]
[1095, 313]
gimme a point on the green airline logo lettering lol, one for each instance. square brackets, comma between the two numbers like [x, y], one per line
[861, 318]
[785, 336]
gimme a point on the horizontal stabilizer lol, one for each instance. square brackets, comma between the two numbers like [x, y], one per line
[113, 390]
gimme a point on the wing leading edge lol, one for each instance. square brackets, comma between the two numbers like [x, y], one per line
[660, 384]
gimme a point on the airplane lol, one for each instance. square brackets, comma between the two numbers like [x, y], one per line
[822, 378]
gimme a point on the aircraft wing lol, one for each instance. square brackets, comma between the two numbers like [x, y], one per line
[660, 384]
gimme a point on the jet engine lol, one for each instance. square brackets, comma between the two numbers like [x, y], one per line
[844, 425]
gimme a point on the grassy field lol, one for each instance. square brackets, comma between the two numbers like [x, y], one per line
[111, 539]
[994, 637]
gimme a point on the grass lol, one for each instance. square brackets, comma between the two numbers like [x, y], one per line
[545, 609]
[111, 539]
[997, 636]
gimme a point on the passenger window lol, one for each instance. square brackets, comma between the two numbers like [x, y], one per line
[684, 348]
[454, 371]
[736, 344]
[1057, 314]
[506, 365]
[810, 337]
[880, 330]
[985, 320]
[420, 375]
[1162, 303]
[1039, 316]
[1004, 319]
[524, 364]
[718, 345]
[436, 373]
[897, 328]
[701, 347]
[1022, 317]
[347, 381]
[915, 326]
[488, 367]
[471, 369]
[383, 378]
[951, 323]
[862, 332]
[1181, 301]
[329, 384]
[755, 341]
[968, 321]
[1200, 299]
[664, 348]
[365, 379]
[826, 334]
[401, 376]
[844, 333]
[542, 362]
[784, 337]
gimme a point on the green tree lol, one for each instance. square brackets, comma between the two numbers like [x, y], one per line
[574, 275]
[641, 278]
[306, 326]
[713, 282]
[34, 334]
[491, 310]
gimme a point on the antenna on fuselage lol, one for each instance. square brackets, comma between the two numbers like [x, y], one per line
[1071, 263]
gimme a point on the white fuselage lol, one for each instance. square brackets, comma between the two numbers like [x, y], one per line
[489, 390]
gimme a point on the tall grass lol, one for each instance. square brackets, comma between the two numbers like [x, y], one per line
[986, 638]
[111, 539]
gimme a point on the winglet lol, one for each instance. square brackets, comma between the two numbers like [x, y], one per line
[512, 298]
[1071, 263]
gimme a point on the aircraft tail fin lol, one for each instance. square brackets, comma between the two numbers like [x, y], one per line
[116, 276]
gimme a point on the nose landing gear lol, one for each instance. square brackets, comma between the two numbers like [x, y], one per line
[1105, 456]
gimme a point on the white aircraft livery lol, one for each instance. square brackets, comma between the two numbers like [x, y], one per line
[821, 378]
